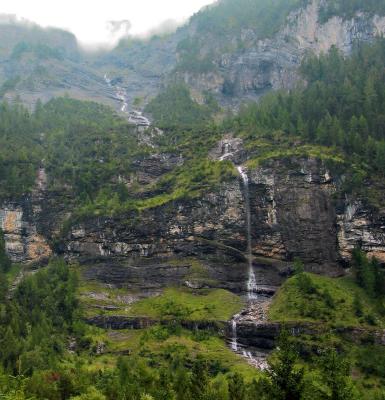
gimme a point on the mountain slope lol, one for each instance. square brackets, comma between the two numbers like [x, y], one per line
[237, 52]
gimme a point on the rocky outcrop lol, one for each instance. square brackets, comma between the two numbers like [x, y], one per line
[202, 242]
[118, 322]
[264, 334]
[359, 226]
[23, 243]
[149, 169]
[26, 222]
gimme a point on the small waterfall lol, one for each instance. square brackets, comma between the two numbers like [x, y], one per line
[226, 151]
[234, 339]
[135, 117]
[252, 287]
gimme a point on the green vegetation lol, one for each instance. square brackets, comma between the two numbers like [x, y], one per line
[5, 265]
[34, 325]
[369, 276]
[288, 151]
[48, 353]
[229, 17]
[19, 153]
[334, 307]
[173, 303]
[87, 146]
[186, 304]
[8, 85]
[330, 305]
[174, 108]
[83, 145]
[190, 181]
[88, 152]
[348, 8]
[40, 50]
[309, 297]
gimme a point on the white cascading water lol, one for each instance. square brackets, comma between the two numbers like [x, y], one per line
[252, 287]
[226, 152]
[255, 357]
[135, 117]
[234, 339]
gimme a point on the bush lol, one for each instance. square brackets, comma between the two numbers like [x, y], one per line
[305, 284]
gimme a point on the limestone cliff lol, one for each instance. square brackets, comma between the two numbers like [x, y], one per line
[202, 242]
[263, 64]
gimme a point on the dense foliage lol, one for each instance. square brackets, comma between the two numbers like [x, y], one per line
[348, 8]
[265, 17]
[174, 108]
[34, 324]
[82, 145]
[87, 145]
[20, 153]
[5, 265]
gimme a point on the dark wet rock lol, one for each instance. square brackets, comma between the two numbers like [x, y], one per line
[202, 242]
[119, 322]
[265, 334]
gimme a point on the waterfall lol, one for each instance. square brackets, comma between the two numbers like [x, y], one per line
[234, 339]
[252, 287]
[226, 151]
[135, 117]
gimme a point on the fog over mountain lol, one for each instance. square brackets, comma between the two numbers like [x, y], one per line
[91, 21]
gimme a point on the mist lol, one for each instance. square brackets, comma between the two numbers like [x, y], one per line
[103, 24]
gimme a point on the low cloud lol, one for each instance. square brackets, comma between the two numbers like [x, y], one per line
[120, 28]
[166, 27]
[13, 19]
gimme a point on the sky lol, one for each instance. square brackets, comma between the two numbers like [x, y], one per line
[96, 22]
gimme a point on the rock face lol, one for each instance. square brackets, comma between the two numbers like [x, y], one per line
[264, 334]
[264, 64]
[202, 242]
[117, 322]
[23, 242]
[358, 225]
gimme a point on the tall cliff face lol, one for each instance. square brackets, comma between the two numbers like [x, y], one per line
[202, 242]
[256, 65]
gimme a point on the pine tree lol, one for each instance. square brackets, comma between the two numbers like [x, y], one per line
[199, 379]
[237, 389]
[287, 379]
[5, 263]
[336, 375]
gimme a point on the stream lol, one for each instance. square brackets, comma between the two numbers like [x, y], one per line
[135, 117]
